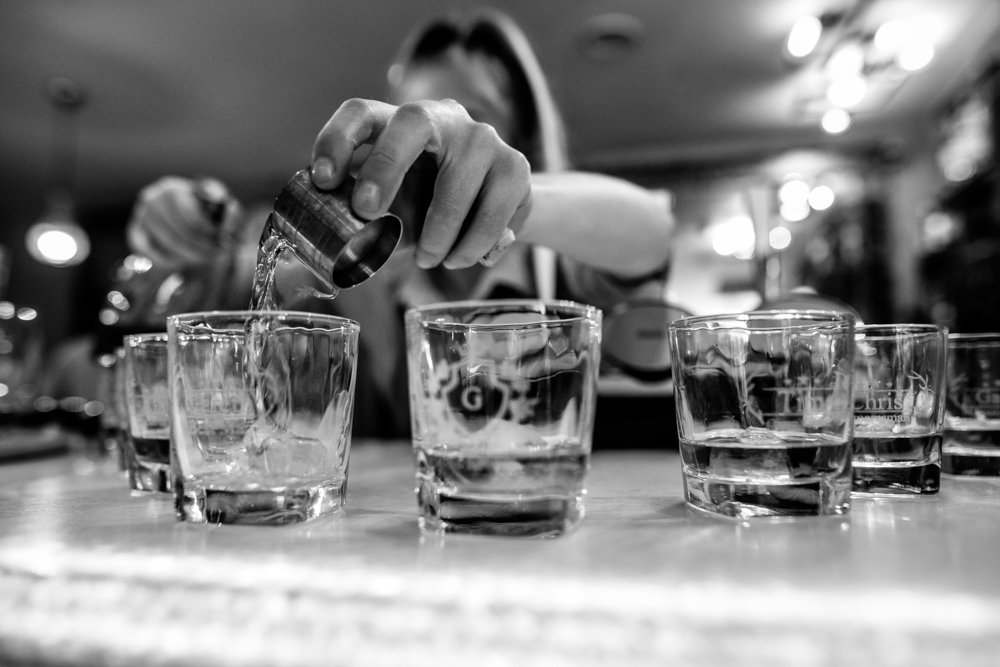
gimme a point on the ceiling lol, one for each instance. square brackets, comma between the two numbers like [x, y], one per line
[239, 88]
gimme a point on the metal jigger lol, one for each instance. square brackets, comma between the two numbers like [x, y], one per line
[320, 228]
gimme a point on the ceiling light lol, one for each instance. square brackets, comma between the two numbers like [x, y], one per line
[891, 35]
[57, 246]
[793, 192]
[735, 235]
[847, 92]
[779, 238]
[795, 211]
[57, 239]
[847, 61]
[804, 36]
[915, 56]
[894, 36]
[908, 41]
[821, 197]
[835, 121]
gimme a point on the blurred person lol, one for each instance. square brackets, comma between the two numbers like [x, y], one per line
[471, 145]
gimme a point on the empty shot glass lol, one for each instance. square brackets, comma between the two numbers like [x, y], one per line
[764, 411]
[972, 415]
[147, 402]
[262, 403]
[899, 399]
[502, 397]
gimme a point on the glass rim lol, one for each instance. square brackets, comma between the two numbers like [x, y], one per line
[133, 340]
[982, 337]
[890, 331]
[581, 312]
[735, 320]
[196, 319]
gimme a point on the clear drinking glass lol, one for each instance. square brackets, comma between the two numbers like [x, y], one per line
[114, 418]
[764, 411]
[972, 420]
[147, 399]
[502, 397]
[899, 398]
[262, 404]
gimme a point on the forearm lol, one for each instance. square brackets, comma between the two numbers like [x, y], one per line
[603, 222]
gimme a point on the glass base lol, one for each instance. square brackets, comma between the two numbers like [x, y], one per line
[200, 504]
[441, 513]
[149, 476]
[971, 464]
[897, 480]
[811, 497]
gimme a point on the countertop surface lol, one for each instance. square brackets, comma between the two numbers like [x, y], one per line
[92, 573]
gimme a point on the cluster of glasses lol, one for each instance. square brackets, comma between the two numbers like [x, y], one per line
[784, 413]
[245, 416]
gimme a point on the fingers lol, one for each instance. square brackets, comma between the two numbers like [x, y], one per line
[503, 199]
[482, 184]
[459, 181]
[353, 124]
[412, 129]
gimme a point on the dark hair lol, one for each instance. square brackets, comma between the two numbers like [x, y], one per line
[538, 126]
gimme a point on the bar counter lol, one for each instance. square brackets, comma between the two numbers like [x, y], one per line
[91, 574]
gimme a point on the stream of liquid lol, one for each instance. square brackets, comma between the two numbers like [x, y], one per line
[265, 294]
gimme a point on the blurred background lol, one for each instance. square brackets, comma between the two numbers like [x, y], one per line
[844, 146]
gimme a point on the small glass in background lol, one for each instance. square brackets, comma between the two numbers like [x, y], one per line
[972, 422]
[502, 399]
[262, 408]
[113, 422]
[899, 399]
[120, 401]
[147, 399]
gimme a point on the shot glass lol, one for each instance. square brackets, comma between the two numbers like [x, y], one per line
[764, 411]
[114, 419]
[261, 407]
[148, 405]
[972, 414]
[502, 397]
[899, 400]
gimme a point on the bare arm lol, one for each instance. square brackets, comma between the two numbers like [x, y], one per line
[603, 222]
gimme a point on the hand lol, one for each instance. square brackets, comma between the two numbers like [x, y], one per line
[483, 186]
[179, 223]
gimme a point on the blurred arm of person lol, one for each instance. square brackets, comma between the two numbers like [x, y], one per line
[483, 187]
[196, 227]
[172, 222]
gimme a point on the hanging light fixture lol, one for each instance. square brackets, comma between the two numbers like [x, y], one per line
[854, 59]
[56, 238]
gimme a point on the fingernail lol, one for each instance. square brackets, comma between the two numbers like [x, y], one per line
[451, 264]
[498, 250]
[367, 197]
[322, 171]
[424, 261]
